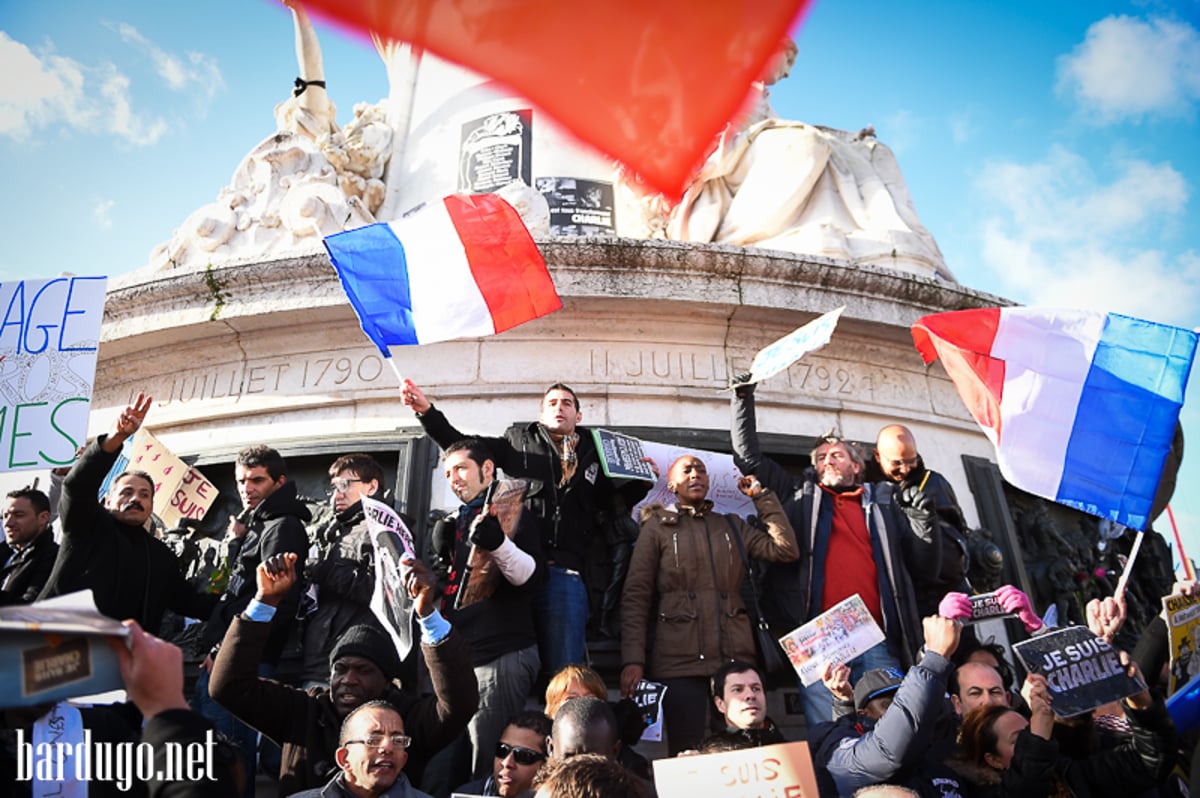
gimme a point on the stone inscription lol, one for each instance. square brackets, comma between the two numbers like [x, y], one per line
[328, 371]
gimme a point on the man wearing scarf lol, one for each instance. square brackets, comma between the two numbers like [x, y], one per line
[569, 496]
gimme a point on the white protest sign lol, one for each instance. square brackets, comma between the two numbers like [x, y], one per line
[837, 635]
[180, 491]
[649, 698]
[390, 602]
[48, 343]
[777, 356]
[784, 770]
[723, 478]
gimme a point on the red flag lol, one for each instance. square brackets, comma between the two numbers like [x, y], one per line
[648, 82]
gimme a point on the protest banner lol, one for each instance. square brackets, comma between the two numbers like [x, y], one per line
[180, 491]
[1082, 670]
[649, 697]
[985, 606]
[777, 356]
[55, 649]
[1183, 624]
[837, 635]
[48, 343]
[390, 601]
[723, 478]
[621, 456]
[784, 770]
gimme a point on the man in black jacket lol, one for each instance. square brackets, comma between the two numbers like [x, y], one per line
[271, 523]
[28, 552]
[107, 549]
[570, 497]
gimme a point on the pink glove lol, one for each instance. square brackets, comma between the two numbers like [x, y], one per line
[1014, 601]
[955, 606]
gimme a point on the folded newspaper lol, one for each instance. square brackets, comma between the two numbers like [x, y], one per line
[55, 649]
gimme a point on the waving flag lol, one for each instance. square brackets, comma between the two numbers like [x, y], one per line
[460, 268]
[1081, 406]
[648, 83]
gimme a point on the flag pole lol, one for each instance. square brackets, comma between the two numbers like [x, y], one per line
[396, 369]
[1133, 553]
[1189, 572]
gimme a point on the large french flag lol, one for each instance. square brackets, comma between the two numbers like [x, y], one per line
[1080, 406]
[462, 267]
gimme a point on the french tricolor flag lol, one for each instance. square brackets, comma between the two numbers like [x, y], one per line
[1080, 406]
[462, 267]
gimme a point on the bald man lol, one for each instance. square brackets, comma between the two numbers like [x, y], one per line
[900, 463]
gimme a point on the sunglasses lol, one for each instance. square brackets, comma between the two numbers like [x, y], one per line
[523, 756]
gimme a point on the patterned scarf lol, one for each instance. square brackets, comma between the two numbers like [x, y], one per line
[568, 457]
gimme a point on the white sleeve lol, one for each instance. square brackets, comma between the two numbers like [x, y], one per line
[516, 564]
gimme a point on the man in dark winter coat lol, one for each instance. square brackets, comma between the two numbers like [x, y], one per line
[28, 552]
[570, 497]
[108, 549]
[363, 665]
[343, 576]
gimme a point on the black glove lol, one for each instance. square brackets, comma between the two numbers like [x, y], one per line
[736, 381]
[486, 533]
[917, 504]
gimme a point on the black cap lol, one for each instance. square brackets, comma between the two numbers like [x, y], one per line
[369, 643]
[875, 683]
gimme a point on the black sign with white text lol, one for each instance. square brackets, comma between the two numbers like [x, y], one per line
[1083, 671]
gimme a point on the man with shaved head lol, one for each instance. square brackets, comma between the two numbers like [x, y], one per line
[898, 460]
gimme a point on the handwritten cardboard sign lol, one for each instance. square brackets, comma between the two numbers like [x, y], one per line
[723, 478]
[837, 635]
[772, 771]
[1083, 671]
[180, 491]
[621, 456]
[48, 343]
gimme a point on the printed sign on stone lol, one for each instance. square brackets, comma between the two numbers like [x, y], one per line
[48, 343]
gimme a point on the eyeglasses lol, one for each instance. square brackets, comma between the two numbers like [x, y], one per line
[376, 740]
[523, 756]
[339, 486]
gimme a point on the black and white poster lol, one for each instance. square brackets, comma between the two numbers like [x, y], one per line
[578, 207]
[495, 151]
[1083, 671]
[622, 456]
[985, 606]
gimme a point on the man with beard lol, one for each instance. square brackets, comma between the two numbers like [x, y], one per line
[107, 548]
[363, 666]
[854, 538]
[343, 577]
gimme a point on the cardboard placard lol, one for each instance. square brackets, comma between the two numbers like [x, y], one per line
[1083, 671]
[772, 771]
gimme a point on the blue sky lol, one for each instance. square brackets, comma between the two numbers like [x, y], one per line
[1049, 147]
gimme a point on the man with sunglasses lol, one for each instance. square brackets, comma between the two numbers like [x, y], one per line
[343, 576]
[519, 756]
[371, 754]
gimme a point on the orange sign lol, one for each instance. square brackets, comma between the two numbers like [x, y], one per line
[772, 771]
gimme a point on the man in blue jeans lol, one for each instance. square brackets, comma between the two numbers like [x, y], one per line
[569, 496]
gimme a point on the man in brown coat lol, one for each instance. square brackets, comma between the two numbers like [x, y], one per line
[363, 665]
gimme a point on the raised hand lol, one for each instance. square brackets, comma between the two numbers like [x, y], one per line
[275, 577]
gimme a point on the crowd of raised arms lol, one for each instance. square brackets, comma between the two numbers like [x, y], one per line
[497, 698]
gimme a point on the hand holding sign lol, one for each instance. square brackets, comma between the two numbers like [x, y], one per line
[1036, 692]
[837, 681]
[955, 606]
[1015, 601]
[418, 580]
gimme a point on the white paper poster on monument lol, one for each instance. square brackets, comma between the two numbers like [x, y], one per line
[390, 601]
[48, 343]
[723, 478]
[836, 636]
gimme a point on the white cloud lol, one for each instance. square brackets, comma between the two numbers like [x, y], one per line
[1128, 67]
[198, 72]
[1056, 235]
[102, 213]
[47, 90]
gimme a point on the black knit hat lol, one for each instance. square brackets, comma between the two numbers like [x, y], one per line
[875, 683]
[369, 643]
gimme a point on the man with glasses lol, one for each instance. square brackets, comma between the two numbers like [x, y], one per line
[371, 755]
[519, 756]
[342, 578]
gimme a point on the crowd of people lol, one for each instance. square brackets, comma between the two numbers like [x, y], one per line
[500, 605]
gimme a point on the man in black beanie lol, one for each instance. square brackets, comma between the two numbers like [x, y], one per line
[363, 664]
